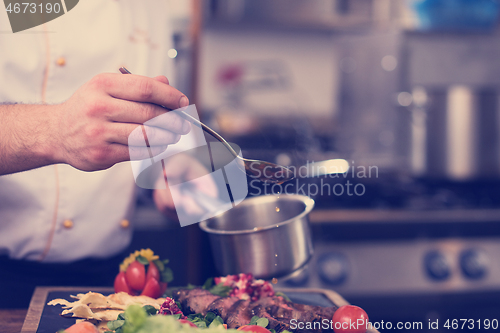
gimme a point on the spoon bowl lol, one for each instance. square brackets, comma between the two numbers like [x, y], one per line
[267, 172]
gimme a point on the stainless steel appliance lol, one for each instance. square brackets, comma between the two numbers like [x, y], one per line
[453, 112]
[404, 266]
[268, 236]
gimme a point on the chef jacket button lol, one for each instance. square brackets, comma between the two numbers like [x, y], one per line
[125, 224]
[68, 224]
[61, 61]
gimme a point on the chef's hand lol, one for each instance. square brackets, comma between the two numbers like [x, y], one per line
[95, 123]
[181, 168]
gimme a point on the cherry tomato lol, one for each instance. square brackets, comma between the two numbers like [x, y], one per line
[136, 275]
[153, 272]
[254, 328]
[121, 284]
[350, 319]
[82, 327]
[152, 288]
[190, 323]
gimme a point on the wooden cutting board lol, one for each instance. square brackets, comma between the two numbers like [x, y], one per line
[43, 318]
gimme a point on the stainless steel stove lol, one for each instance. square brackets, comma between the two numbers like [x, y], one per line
[403, 265]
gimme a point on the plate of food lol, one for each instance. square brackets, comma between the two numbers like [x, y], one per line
[222, 304]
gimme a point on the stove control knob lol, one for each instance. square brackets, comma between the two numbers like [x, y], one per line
[436, 265]
[333, 268]
[474, 264]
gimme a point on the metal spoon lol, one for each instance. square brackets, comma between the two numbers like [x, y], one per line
[266, 172]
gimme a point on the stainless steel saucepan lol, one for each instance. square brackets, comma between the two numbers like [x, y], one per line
[268, 236]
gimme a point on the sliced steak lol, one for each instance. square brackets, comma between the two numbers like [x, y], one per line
[195, 300]
[239, 314]
[278, 325]
[181, 295]
[283, 312]
[236, 312]
[318, 311]
[221, 306]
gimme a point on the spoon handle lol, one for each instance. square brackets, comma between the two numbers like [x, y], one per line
[196, 122]
[210, 131]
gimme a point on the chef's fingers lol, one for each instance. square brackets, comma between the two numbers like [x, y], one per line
[115, 153]
[162, 79]
[148, 114]
[184, 167]
[140, 153]
[140, 89]
[133, 112]
[141, 135]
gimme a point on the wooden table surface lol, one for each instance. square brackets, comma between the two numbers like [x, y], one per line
[11, 320]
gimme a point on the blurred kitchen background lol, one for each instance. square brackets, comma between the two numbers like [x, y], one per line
[406, 89]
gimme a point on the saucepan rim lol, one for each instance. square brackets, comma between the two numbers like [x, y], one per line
[307, 201]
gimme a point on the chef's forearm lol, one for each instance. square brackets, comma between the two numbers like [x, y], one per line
[27, 137]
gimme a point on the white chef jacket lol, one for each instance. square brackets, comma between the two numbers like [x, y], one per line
[57, 213]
